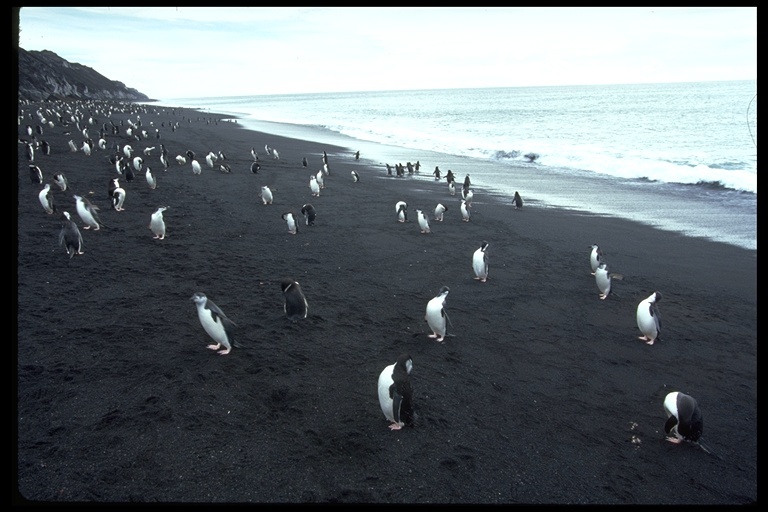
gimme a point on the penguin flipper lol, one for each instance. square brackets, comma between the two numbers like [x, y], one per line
[670, 424]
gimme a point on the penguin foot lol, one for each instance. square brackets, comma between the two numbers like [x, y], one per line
[214, 347]
[644, 338]
[674, 440]
[650, 342]
[395, 426]
[432, 335]
[603, 297]
[224, 352]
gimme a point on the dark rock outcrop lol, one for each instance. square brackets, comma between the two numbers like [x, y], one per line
[46, 76]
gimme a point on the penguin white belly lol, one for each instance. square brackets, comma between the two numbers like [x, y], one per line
[386, 402]
[646, 322]
[435, 318]
[480, 265]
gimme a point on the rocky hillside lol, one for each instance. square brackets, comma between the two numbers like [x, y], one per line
[46, 76]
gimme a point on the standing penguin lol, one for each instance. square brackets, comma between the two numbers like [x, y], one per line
[319, 178]
[35, 174]
[465, 214]
[308, 211]
[151, 181]
[648, 319]
[293, 224]
[355, 176]
[603, 279]
[467, 184]
[395, 392]
[70, 236]
[401, 210]
[684, 419]
[436, 317]
[61, 181]
[255, 167]
[215, 323]
[436, 173]
[595, 257]
[294, 303]
[46, 199]
[118, 198]
[266, 194]
[423, 222]
[451, 188]
[440, 209]
[157, 223]
[518, 200]
[304, 162]
[196, 169]
[480, 262]
[87, 212]
[314, 186]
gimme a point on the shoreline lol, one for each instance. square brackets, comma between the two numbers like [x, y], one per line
[538, 397]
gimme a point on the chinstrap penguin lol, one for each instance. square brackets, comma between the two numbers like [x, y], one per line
[215, 323]
[396, 394]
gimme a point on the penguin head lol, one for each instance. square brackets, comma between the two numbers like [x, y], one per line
[199, 298]
[656, 296]
[404, 362]
[484, 245]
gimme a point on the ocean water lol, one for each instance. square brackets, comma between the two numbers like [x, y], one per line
[678, 156]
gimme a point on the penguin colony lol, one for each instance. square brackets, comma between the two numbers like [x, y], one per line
[395, 393]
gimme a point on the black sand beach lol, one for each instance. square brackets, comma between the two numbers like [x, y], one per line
[542, 395]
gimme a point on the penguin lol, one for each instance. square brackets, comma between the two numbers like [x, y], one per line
[467, 184]
[308, 211]
[30, 152]
[304, 162]
[518, 201]
[190, 154]
[314, 186]
[293, 225]
[35, 174]
[87, 212]
[114, 183]
[396, 393]
[254, 154]
[127, 151]
[603, 280]
[196, 169]
[46, 199]
[180, 160]
[70, 236]
[465, 214]
[224, 167]
[164, 161]
[294, 303]
[436, 317]
[467, 195]
[436, 173]
[648, 319]
[157, 223]
[417, 166]
[86, 148]
[595, 257]
[151, 181]
[355, 176]
[118, 198]
[480, 262]
[128, 173]
[450, 177]
[72, 146]
[209, 159]
[439, 211]
[423, 222]
[275, 154]
[451, 188]
[319, 179]
[325, 157]
[357, 155]
[684, 419]
[266, 195]
[215, 323]
[409, 166]
[389, 170]
[46, 147]
[61, 181]
[401, 210]
[255, 167]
